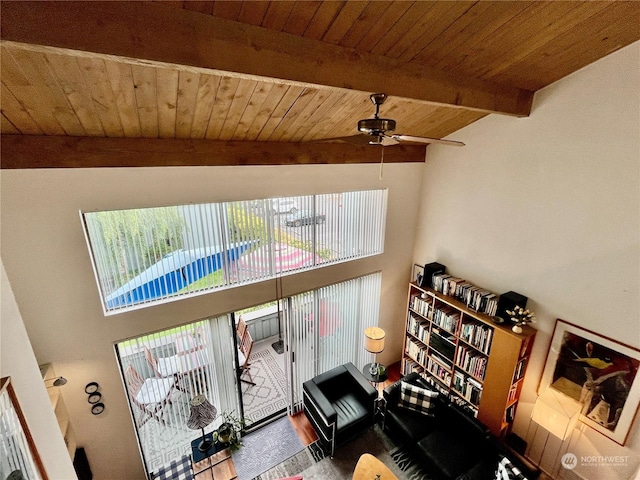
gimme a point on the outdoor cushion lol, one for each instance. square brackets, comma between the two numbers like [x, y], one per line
[154, 390]
[241, 358]
[168, 366]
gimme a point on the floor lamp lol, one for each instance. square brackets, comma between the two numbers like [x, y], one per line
[202, 414]
[374, 343]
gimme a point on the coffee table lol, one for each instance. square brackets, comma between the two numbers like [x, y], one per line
[369, 468]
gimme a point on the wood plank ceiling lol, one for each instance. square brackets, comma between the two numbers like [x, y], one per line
[241, 72]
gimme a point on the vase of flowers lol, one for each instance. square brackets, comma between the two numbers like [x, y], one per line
[520, 317]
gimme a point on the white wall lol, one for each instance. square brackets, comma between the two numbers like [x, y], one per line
[549, 206]
[47, 262]
[18, 362]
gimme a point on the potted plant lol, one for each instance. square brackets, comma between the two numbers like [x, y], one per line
[520, 317]
[229, 430]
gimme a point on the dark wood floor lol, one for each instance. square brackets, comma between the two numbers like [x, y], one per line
[305, 430]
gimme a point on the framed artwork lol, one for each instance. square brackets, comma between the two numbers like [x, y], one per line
[418, 273]
[598, 372]
[20, 459]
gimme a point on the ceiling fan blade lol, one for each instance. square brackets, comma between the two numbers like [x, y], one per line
[411, 138]
[362, 139]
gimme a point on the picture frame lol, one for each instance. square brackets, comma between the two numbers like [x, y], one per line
[597, 371]
[22, 459]
[417, 274]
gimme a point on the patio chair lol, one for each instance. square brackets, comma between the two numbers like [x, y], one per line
[240, 328]
[162, 366]
[244, 352]
[150, 395]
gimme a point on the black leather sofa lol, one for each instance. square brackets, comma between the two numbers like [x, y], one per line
[339, 404]
[453, 444]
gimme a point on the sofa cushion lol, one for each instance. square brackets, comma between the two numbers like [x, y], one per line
[458, 420]
[349, 410]
[410, 425]
[419, 399]
[451, 451]
[508, 471]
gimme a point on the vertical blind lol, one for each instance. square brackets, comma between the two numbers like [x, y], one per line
[322, 328]
[145, 256]
[15, 453]
[174, 366]
[325, 328]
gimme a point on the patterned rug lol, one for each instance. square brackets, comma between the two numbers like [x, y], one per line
[166, 443]
[268, 395]
[266, 448]
[314, 464]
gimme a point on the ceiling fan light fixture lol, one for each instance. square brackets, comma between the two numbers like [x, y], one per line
[376, 126]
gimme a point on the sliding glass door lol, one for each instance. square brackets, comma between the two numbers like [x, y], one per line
[324, 329]
[163, 371]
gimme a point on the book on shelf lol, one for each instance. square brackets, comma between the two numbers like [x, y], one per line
[519, 371]
[471, 362]
[466, 407]
[415, 351]
[458, 381]
[417, 328]
[410, 366]
[473, 391]
[442, 360]
[439, 371]
[481, 300]
[513, 393]
[449, 285]
[477, 335]
[420, 306]
[462, 290]
[437, 385]
[446, 317]
[438, 280]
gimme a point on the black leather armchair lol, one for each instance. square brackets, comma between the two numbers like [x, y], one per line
[339, 404]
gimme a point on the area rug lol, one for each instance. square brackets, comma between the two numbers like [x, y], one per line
[314, 464]
[266, 448]
[268, 395]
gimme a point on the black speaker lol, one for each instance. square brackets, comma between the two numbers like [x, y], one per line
[81, 464]
[430, 269]
[509, 301]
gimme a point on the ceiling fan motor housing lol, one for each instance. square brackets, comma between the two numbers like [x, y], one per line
[376, 126]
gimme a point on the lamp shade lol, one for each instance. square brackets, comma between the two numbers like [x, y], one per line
[374, 339]
[202, 412]
[556, 412]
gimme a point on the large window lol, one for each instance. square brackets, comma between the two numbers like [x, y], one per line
[151, 255]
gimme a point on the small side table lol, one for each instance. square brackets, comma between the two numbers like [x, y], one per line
[383, 374]
[375, 379]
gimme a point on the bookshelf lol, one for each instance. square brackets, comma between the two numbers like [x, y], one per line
[474, 361]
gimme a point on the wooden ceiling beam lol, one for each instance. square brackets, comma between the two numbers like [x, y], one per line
[153, 32]
[44, 151]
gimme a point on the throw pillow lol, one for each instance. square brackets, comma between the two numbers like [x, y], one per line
[508, 471]
[417, 398]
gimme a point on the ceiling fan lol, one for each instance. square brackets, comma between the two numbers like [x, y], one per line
[374, 130]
